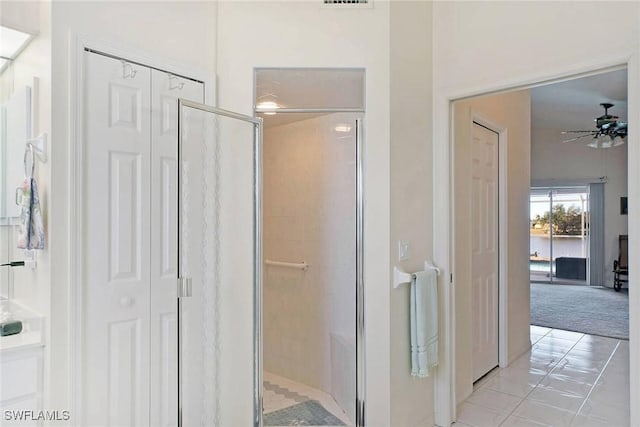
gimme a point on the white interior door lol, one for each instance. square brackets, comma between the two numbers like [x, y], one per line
[485, 261]
[130, 353]
[165, 91]
[116, 293]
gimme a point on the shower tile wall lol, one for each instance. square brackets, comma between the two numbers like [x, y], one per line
[309, 215]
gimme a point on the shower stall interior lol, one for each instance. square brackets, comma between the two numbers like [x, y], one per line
[312, 136]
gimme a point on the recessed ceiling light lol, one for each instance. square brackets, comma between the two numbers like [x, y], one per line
[267, 107]
[342, 127]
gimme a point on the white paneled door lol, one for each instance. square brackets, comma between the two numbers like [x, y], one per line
[485, 253]
[166, 89]
[129, 336]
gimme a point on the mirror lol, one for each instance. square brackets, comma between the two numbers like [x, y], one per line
[16, 115]
[15, 131]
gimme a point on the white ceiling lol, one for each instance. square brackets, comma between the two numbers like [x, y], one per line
[311, 88]
[573, 104]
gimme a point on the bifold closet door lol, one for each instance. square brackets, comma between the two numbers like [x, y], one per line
[219, 197]
[166, 89]
[116, 294]
[130, 363]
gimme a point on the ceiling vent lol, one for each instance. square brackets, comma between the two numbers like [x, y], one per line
[347, 4]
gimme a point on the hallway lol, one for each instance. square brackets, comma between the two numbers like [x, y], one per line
[566, 379]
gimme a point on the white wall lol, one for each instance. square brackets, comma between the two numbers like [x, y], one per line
[411, 199]
[510, 111]
[482, 47]
[309, 215]
[553, 161]
[175, 32]
[303, 34]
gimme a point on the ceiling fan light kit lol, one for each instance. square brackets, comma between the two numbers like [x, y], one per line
[609, 132]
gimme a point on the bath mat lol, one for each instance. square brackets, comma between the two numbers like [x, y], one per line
[309, 413]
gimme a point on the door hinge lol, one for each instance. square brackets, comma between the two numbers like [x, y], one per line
[184, 287]
[450, 277]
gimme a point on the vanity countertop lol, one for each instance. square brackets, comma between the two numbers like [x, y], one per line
[32, 327]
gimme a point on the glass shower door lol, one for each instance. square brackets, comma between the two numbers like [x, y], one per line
[219, 277]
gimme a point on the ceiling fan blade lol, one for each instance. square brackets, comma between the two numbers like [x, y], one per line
[576, 138]
[577, 131]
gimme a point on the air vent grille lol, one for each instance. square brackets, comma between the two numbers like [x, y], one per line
[347, 3]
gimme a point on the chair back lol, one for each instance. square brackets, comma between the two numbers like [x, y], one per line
[623, 251]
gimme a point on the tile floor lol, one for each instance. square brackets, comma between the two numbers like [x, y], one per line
[566, 379]
[280, 392]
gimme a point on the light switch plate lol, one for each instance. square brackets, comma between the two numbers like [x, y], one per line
[403, 250]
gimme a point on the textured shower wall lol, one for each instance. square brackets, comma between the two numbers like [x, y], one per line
[309, 215]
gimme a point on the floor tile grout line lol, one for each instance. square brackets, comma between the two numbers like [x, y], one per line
[542, 379]
[522, 399]
[604, 368]
[554, 366]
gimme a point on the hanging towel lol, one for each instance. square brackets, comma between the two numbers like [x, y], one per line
[424, 322]
[31, 230]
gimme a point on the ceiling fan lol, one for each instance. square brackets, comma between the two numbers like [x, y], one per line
[609, 131]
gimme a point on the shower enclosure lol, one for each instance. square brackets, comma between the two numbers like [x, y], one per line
[312, 216]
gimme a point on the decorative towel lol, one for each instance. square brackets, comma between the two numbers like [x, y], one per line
[31, 230]
[424, 322]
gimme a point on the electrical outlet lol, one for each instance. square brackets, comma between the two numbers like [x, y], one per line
[403, 250]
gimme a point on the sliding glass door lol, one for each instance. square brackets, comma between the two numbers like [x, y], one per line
[559, 234]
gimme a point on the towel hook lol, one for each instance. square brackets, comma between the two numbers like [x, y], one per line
[130, 73]
[178, 86]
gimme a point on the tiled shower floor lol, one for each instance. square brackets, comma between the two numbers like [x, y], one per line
[567, 379]
[280, 393]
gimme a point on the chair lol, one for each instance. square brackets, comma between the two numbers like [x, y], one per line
[621, 265]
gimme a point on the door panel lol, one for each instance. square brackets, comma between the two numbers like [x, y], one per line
[116, 291]
[165, 91]
[484, 214]
[218, 250]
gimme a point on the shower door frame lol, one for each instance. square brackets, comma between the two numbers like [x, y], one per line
[360, 300]
[257, 252]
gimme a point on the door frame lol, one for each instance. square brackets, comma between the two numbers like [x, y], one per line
[503, 249]
[78, 45]
[443, 195]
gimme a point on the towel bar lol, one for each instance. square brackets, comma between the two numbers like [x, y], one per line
[400, 277]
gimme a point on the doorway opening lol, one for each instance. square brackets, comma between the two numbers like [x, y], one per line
[312, 218]
[566, 195]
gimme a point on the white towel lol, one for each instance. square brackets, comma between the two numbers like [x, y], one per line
[424, 322]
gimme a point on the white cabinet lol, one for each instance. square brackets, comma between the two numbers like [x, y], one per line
[21, 382]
